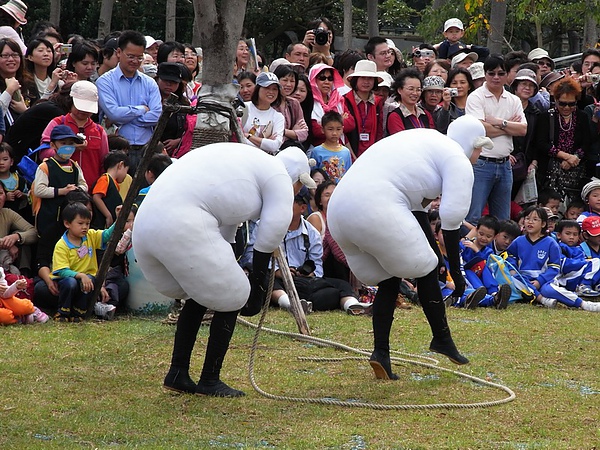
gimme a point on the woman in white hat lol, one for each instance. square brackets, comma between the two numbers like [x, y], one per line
[12, 17]
[366, 107]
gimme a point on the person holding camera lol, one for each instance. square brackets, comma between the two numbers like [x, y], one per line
[454, 98]
[319, 38]
[304, 253]
[422, 56]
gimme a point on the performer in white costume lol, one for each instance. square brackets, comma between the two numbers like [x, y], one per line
[377, 214]
[182, 239]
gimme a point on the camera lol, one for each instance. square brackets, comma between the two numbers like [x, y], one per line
[593, 77]
[66, 49]
[321, 36]
[307, 268]
[453, 92]
[425, 53]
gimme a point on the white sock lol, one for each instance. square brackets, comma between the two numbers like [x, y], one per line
[548, 302]
[590, 306]
[349, 302]
[284, 301]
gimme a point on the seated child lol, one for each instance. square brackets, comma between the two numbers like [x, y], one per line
[331, 156]
[575, 209]
[591, 237]
[14, 185]
[536, 256]
[578, 275]
[452, 44]
[158, 164]
[116, 142]
[508, 231]
[56, 177]
[475, 252]
[549, 198]
[553, 218]
[14, 309]
[590, 194]
[105, 193]
[74, 262]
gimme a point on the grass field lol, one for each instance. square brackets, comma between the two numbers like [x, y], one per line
[99, 385]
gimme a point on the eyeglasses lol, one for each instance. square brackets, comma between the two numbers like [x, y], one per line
[134, 57]
[567, 104]
[387, 52]
[541, 62]
[10, 56]
[190, 55]
[412, 89]
[500, 74]
[325, 78]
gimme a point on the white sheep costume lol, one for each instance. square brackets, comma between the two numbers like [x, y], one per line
[377, 216]
[182, 239]
[187, 222]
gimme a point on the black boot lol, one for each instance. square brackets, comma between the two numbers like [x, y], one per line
[435, 311]
[221, 330]
[258, 284]
[384, 305]
[188, 324]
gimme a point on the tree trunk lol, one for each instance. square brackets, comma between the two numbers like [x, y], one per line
[497, 22]
[195, 34]
[590, 27]
[170, 20]
[105, 19]
[373, 19]
[347, 24]
[55, 12]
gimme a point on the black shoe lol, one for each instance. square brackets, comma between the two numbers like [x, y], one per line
[381, 365]
[473, 299]
[447, 348]
[179, 380]
[217, 389]
[502, 296]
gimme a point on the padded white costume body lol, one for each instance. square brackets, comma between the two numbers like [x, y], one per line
[369, 213]
[185, 225]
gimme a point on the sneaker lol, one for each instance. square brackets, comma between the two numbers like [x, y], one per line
[60, 318]
[584, 290]
[472, 300]
[40, 316]
[360, 309]
[548, 302]
[105, 310]
[502, 296]
[590, 306]
[26, 319]
[450, 300]
[307, 306]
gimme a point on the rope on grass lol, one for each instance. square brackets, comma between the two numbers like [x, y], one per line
[325, 342]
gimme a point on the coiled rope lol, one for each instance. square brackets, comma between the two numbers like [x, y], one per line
[325, 342]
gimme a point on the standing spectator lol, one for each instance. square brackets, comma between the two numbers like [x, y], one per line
[542, 59]
[107, 58]
[170, 51]
[42, 75]
[298, 53]
[316, 42]
[295, 126]
[12, 18]
[438, 67]
[502, 116]
[14, 98]
[152, 47]
[247, 82]
[378, 51]
[129, 99]
[453, 106]
[422, 56]
[303, 94]
[365, 107]
[407, 88]
[83, 60]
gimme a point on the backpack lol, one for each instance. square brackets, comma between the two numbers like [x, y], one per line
[505, 273]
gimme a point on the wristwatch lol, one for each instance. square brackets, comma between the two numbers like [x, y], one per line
[504, 124]
[20, 240]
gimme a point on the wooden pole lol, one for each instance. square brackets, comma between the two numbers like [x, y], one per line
[288, 282]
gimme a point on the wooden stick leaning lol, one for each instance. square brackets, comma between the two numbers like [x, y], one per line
[288, 282]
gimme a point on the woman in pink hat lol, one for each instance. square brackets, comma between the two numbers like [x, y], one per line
[12, 17]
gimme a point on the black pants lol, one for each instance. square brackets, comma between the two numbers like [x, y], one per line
[324, 293]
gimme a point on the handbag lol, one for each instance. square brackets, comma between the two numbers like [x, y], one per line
[27, 166]
[519, 169]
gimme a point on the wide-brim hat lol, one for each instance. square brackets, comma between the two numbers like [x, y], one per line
[392, 46]
[525, 75]
[388, 80]
[365, 68]
[17, 10]
[540, 53]
[462, 56]
[281, 62]
[551, 78]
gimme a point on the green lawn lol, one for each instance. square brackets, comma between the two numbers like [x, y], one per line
[99, 385]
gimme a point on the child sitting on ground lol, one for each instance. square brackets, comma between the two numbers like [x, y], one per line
[575, 209]
[14, 185]
[590, 194]
[105, 194]
[578, 275]
[14, 309]
[56, 177]
[591, 237]
[508, 231]
[74, 263]
[331, 156]
[549, 198]
[475, 252]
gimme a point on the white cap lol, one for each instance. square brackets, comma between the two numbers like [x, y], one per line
[150, 41]
[281, 62]
[388, 80]
[454, 22]
[85, 96]
[476, 71]
[462, 56]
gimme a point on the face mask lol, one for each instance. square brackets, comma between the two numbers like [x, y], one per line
[65, 152]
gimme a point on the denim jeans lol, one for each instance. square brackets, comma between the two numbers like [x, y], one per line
[492, 186]
[71, 300]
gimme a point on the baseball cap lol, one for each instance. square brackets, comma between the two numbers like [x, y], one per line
[85, 96]
[60, 132]
[591, 224]
[551, 215]
[266, 79]
[150, 41]
[476, 71]
[454, 22]
[169, 71]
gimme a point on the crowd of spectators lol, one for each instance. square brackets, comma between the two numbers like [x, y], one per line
[334, 105]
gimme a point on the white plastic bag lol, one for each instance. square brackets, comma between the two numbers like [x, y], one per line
[528, 192]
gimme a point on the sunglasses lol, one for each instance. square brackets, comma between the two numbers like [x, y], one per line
[543, 63]
[325, 78]
[567, 104]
